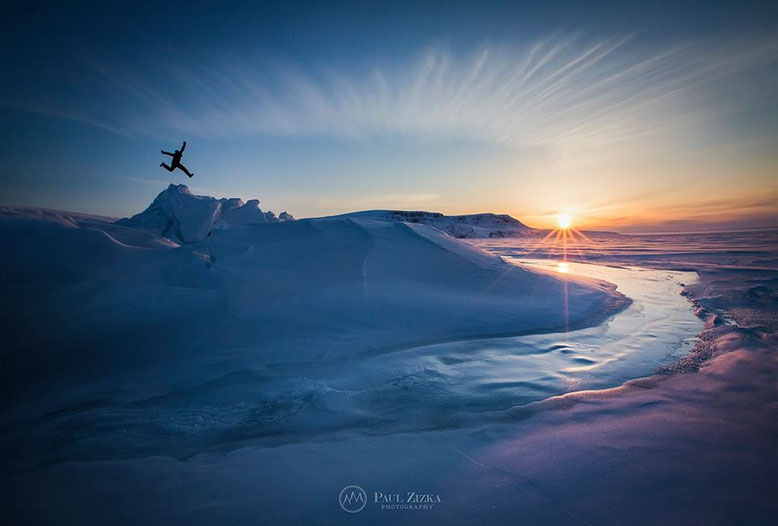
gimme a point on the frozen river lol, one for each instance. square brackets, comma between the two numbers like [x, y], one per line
[450, 384]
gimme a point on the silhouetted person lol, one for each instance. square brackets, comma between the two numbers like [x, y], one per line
[176, 162]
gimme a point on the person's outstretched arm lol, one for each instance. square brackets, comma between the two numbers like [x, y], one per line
[167, 153]
[183, 147]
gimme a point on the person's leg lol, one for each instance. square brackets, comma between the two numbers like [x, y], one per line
[183, 169]
[166, 167]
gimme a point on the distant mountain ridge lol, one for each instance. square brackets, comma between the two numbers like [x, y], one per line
[471, 226]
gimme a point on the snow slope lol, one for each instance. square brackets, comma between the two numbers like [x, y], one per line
[462, 226]
[186, 218]
[130, 313]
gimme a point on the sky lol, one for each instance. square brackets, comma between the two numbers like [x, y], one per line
[627, 116]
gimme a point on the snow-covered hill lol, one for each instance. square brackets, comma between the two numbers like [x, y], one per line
[179, 215]
[119, 343]
[462, 226]
[285, 292]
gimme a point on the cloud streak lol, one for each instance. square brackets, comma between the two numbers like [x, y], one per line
[559, 92]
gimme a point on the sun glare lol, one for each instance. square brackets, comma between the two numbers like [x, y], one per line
[564, 221]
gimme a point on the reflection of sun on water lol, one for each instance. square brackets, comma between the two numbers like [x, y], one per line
[557, 243]
[561, 241]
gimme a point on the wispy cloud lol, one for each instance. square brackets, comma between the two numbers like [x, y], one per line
[572, 91]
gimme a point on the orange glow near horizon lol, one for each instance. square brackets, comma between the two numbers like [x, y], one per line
[562, 240]
[649, 214]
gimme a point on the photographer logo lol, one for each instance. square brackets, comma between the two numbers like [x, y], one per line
[352, 499]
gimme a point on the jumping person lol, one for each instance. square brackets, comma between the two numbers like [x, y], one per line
[176, 162]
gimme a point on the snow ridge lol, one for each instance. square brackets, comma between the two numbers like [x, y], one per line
[183, 217]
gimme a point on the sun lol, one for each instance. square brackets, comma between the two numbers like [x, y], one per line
[564, 221]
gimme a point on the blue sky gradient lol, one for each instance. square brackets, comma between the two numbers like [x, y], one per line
[628, 116]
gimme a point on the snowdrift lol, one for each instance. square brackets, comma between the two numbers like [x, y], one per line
[129, 311]
[179, 215]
